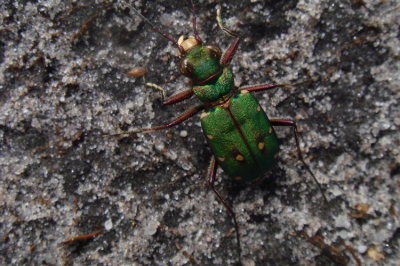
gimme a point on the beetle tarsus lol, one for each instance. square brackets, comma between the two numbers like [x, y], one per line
[156, 87]
[222, 26]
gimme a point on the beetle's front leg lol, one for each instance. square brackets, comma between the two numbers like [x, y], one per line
[174, 122]
[178, 97]
[230, 52]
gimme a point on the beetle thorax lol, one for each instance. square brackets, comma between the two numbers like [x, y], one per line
[187, 43]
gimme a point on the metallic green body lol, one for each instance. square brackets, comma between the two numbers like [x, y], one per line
[214, 91]
[241, 137]
[203, 63]
[236, 127]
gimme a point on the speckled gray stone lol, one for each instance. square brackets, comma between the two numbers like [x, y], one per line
[63, 86]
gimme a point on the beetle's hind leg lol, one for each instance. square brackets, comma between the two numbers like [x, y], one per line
[290, 123]
[211, 179]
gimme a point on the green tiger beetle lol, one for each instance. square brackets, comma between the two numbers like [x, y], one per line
[236, 127]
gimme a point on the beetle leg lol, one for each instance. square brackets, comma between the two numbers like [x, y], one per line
[174, 122]
[290, 123]
[178, 97]
[230, 52]
[211, 179]
[263, 87]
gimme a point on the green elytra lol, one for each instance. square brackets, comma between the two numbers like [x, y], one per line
[241, 137]
[237, 129]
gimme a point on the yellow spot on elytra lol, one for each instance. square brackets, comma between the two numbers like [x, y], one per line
[204, 114]
[221, 159]
[239, 158]
[276, 155]
[270, 130]
[244, 91]
[258, 108]
[261, 145]
[210, 136]
[238, 178]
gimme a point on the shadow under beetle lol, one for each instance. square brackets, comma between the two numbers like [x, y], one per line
[237, 129]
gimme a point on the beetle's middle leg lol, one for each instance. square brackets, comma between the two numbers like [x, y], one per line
[263, 87]
[211, 179]
[174, 122]
[290, 123]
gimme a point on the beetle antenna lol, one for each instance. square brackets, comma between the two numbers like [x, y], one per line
[154, 28]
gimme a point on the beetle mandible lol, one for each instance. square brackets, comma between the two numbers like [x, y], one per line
[238, 131]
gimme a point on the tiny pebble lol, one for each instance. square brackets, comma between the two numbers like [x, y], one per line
[362, 249]
[183, 133]
[108, 225]
[151, 228]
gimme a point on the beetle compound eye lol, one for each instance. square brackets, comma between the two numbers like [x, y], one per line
[214, 50]
[185, 68]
